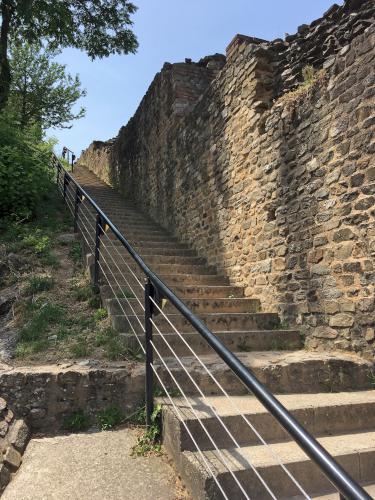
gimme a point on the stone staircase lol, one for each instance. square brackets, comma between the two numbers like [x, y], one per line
[329, 392]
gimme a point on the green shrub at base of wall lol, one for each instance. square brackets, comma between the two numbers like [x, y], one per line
[25, 171]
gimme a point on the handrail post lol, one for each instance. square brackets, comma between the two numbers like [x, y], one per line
[65, 184]
[78, 199]
[149, 381]
[98, 233]
[58, 175]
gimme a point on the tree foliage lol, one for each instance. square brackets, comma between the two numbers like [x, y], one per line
[99, 27]
[41, 91]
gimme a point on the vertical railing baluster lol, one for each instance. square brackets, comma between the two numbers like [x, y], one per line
[98, 233]
[149, 382]
[65, 184]
[78, 199]
[58, 175]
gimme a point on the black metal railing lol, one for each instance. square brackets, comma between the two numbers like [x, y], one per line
[154, 289]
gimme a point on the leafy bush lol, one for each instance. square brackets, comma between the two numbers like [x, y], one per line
[25, 171]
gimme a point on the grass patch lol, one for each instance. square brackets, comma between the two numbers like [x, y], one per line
[37, 284]
[75, 252]
[24, 349]
[87, 293]
[110, 418]
[77, 421]
[39, 317]
[80, 348]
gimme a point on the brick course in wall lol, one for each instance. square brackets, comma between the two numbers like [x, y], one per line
[275, 189]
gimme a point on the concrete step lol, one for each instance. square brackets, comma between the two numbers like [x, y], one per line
[321, 414]
[355, 452]
[255, 340]
[198, 306]
[185, 292]
[281, 372]
[214, 321]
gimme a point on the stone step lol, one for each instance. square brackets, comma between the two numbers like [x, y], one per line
[355, 452]
[280, 371]
[119, 265]
[321, 414]
[151, 245]
[119, 305]
[198, 306]
[184, 292]
[146, 250]
[255, 340]
[151, 259]
[214, 321]
[156, 236]
[171, 280]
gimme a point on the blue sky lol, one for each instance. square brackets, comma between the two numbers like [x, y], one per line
[170, 30]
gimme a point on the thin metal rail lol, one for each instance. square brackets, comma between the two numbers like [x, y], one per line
[347, 487]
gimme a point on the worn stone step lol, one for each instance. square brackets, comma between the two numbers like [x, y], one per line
[184, 292]
[151, 259]
[255, 340]
[170, 279]
[119, 265]
[171, 251]
[151, 245]
[321, 414]
[355, 452]
[281, 372]
[155, 236]
[118, 305]
[214, 321]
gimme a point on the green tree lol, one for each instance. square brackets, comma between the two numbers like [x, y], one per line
[99, 27]
[41, 91]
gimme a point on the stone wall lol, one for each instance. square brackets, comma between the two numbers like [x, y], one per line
[275, 188]
[14, 435]
[44, 396]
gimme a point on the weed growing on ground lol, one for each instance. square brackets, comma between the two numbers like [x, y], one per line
[110, 418]
[148, 443]
[100, 314]
[37, 284]
[75, 253]
[77, 421]
[80, 348]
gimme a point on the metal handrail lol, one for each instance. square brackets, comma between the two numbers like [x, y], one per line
[341, 480]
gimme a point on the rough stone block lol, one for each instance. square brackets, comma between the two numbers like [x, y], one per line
[341, 320]
[19, 435]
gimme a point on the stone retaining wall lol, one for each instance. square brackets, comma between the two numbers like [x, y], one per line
[14, 435]
[276, 189]
[44, 396]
